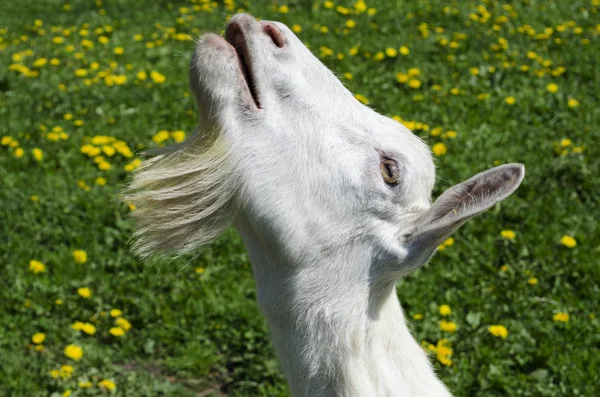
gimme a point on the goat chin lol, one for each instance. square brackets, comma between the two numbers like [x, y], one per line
[331, 199]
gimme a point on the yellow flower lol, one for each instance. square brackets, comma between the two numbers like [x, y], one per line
[59, 302]
[568, 241]
[58, 40]
[138, 37]
[81, 72]
[391, 52]
[107, 384]
[474, 71]
[88, 328]
[54, 373]
[404, 50]
[66, 371]
[84, 292]
[361, 98]
[123, 323]
[100, 181]
[178, 136]
[508, 234]
[348, 76]
[417, 316]
[36, 267]
[103, 40]
[39, 348]
[296, 28]
[414, 83]
[561, 317]
[157, 77]
[117, 331]
[439, 149]
[119, 50]
[447, 326]
[132, 165]
[532, 281]
[499, 331]
[445, 310]
[67, 393]
[80, 256]
[85, 385]
[38, 154]
[38, 338]
[401, 77]
[200, 270]
[77, 325]
[552, 88]
[350, 23]
[116, 313]
[510, 100]
[572, 103]
[38, 63]
[74, 352]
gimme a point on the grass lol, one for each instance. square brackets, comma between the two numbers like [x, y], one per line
[195, 327]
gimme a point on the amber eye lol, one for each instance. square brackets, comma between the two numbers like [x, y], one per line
[390, 171]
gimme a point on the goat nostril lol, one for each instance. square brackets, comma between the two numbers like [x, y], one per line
[274, 33]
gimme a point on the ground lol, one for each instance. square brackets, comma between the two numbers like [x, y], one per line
[506, 308]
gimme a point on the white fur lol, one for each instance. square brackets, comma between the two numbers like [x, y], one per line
[327, 237]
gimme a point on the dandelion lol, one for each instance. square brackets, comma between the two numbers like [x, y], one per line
[508, 234]
[445, 310]
[178, 136]
[36, 267]
[350, 23]
[116, 331]
[568, 241]
[119, 50]
[81, 72]
[38, 154]
[107, 384]
[510, 100]
[66, 371]
[439, 149]
[157, 77]
[414, 83]
[404, 50]
[417, 316]
[391, 52]
[361, 98]
[552, 88]
[123, 323]
[532, 281]
[499, 331]
[54, 373]
[38, 63]
[562, 317]
[38, 338]
[100, 181]
[447, 326]
[74, 352]
[573, 103]
[80, 256]
[84, 292]
[116, 313]
[85, 385]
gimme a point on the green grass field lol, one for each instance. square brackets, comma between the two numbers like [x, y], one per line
[86, 86]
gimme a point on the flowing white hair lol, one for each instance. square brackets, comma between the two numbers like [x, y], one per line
[184, 197]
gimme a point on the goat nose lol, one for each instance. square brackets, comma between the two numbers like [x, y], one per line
[274, 33]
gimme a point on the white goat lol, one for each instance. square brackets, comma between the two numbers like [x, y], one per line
[331, 199]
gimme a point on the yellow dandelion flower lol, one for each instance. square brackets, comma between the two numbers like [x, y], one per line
[417, 316]
[74, 352]
[36, 267]
[84, 292]
[118, 50]
[532, 281]
[117, 331]
[116, 313]
[81, 72]
[88, 328]
[499, 331]
[38, 154]
[200, 270]
[391, 52]
[80, 256]
[361, 98]
[157, 77]
[38, 338]
[296, 28]
[508, 234]
[561, 317]
[414, 83]
[123, 323]
[85, 385]
[439, 149]
[568, 241]
[447, 326]
[107, 384]
[445, 310]
[572, 103]
[178, 136]
[66, 371]
[552, 88]
[510, 100]
[404, 50]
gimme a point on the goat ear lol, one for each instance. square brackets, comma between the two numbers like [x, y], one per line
[456, 206]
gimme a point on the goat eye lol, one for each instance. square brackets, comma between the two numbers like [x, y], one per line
[390, 171]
